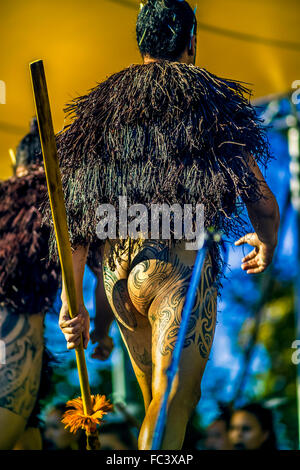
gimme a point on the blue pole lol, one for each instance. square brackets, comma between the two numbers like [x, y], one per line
[172, 370]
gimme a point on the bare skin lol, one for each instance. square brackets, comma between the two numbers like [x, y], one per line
[31, 439]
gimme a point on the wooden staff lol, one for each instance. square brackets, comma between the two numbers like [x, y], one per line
[58, 210]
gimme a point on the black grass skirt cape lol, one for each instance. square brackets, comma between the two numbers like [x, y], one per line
[28, 282]
[161, 132]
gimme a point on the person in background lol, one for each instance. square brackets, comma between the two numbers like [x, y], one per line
[251, 428]
[29, 149]
[28, 288]
[217, 433]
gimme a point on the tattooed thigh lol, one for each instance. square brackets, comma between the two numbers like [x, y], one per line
[166, 300]
[22, 336]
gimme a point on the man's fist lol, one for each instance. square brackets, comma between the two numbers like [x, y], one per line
[75, 328]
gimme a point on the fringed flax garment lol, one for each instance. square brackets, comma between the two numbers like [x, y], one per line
[163, 132]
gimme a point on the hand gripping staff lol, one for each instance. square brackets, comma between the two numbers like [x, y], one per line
[159, 429]
[90, 409]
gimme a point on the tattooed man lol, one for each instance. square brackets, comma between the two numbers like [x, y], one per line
[164, 132]
[28, 286]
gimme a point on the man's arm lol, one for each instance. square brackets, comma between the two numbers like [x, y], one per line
[72, 329]
[265, 218]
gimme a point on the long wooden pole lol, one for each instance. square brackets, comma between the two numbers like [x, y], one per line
[58, 209]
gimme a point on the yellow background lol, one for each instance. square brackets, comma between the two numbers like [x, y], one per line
[82, 42]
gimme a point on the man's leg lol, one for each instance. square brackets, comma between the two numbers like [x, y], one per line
[12, 427]
[165, 317]
[31, 439]
[135, 328]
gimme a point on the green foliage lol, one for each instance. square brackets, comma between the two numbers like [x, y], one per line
[276, 333]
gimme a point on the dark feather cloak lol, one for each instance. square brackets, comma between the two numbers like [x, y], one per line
[161, 132]
[28, 282]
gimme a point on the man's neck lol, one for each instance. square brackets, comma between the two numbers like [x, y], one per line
[185, 59]
[148, 60]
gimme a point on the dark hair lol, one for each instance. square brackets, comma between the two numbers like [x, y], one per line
[29, 150]
[163, 28]
[265, 418]
[224, 414]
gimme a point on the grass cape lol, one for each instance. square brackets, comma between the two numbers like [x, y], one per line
[28, 282]
[161, 132]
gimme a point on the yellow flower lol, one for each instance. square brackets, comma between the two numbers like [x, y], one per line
[76, 419]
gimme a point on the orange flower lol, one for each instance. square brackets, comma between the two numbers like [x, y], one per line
[76, 419]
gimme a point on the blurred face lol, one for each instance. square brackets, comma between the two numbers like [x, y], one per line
[216, 437]
[245, 432]
[56, 436]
